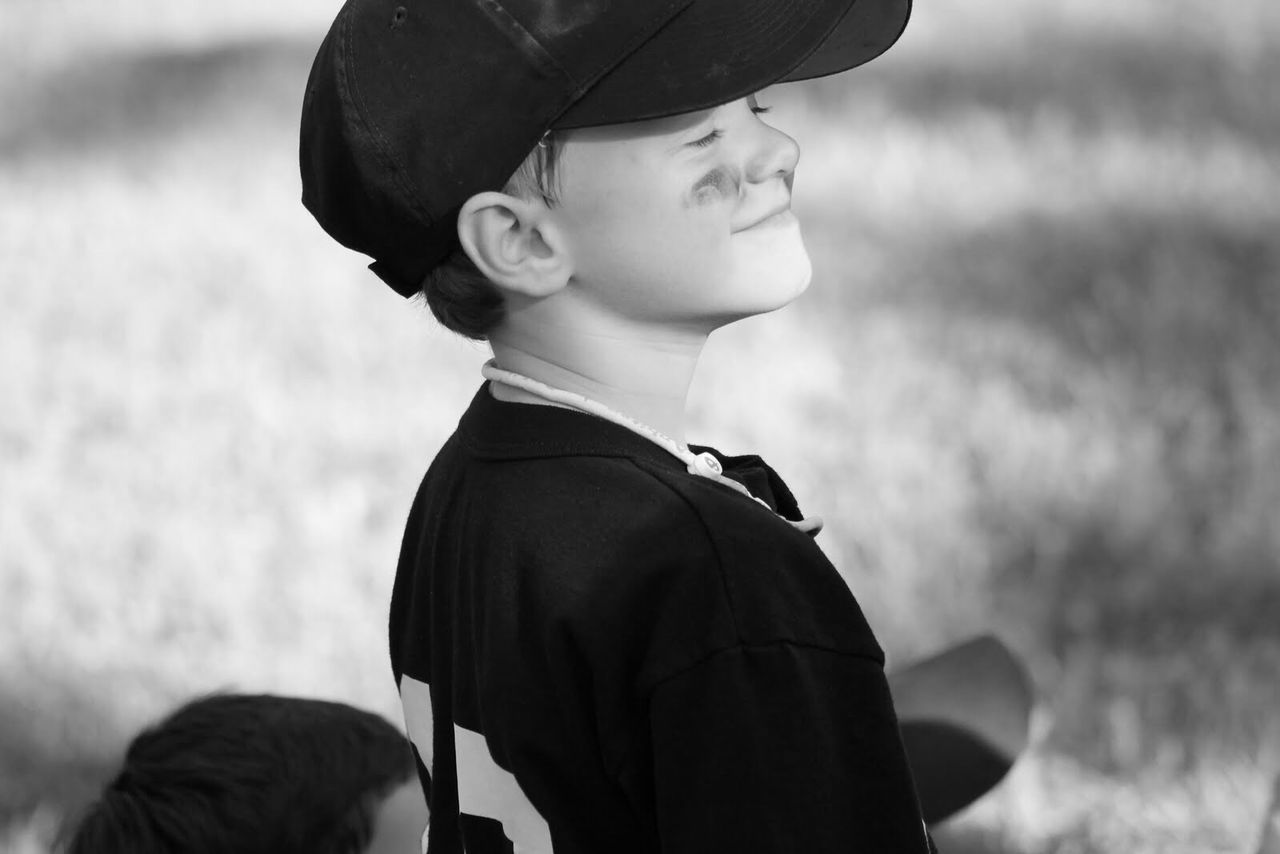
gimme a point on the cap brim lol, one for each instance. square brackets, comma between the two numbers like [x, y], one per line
[869, 29]
[716, 51]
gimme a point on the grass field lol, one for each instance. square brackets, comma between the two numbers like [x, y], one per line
[1034, 389]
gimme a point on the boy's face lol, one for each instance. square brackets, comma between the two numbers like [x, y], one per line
[685, 220]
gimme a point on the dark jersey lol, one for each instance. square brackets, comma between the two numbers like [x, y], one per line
[600, 652]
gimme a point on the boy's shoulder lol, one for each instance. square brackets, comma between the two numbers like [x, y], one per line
[560, 473]
[603, 520]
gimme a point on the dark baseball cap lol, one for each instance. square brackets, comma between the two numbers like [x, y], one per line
[414, 106]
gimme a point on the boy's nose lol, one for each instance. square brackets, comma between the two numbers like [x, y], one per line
[777, 157]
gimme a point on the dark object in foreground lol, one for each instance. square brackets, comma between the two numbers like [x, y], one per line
[259, 774]
[952, 767]
[965, 717]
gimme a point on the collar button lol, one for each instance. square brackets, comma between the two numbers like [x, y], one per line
[707, 464]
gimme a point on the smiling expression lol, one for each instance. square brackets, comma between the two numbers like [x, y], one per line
[683, 220]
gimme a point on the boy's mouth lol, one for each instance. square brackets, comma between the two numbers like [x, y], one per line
[779, 216]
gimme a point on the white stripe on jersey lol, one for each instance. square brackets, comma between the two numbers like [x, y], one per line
[484, 788]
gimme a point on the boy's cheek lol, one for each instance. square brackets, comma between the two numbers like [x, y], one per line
[720, 186]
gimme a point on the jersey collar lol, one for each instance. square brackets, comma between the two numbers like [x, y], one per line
[500, 429]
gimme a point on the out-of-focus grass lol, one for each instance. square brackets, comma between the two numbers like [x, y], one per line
[1035, 387]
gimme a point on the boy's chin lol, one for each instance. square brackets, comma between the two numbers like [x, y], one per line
[782, 280]
[769, 290]
[779, 269]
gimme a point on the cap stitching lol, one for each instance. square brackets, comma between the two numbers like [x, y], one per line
[522, 38]
[657, 22]
[384, 150]
[741, 91]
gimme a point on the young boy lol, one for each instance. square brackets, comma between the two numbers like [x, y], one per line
[606, 639]
[239, 774]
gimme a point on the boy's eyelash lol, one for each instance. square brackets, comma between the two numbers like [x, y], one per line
[708, 139]
[716, 134]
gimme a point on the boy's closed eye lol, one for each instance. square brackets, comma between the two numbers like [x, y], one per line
[717, 133]
[708, 139]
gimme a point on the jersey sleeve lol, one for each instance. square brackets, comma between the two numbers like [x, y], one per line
[781, 747]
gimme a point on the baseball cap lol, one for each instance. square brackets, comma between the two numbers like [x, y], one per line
[414, 106]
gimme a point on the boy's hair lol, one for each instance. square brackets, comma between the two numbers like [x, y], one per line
[458, 294]
[247, 774]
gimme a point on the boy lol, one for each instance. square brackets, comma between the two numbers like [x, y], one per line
[606, 639]
[238, 774]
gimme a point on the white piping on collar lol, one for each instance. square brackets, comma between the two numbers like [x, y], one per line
[703, 465]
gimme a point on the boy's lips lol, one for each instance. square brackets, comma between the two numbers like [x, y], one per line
[780, 215]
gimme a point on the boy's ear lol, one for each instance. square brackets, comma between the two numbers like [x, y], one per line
[514, 244]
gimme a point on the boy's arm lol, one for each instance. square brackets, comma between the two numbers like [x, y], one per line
[782, 748]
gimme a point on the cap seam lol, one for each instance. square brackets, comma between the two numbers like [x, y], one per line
[516, 31]
[660, 113]
[384, 150]
[656, 23]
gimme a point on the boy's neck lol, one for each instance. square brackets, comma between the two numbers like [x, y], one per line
[642, 375]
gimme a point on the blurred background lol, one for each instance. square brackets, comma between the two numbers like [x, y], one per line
[1034, 389]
